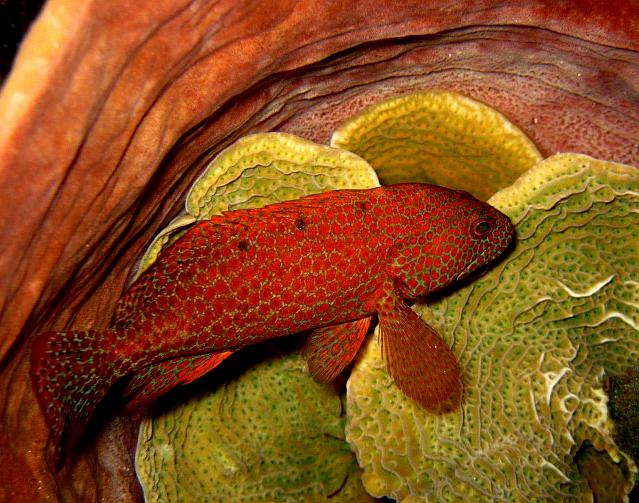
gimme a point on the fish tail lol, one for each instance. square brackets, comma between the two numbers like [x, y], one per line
[71, 372]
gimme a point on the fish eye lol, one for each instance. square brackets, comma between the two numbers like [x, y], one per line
[481, 227]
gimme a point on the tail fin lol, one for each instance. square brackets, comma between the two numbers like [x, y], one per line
[70, 373]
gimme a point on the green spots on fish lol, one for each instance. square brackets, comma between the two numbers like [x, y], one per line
[453, 242]
[535, 337]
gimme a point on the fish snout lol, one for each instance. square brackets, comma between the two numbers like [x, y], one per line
[494, 246]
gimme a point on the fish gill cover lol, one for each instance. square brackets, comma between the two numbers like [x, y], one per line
[534, 335]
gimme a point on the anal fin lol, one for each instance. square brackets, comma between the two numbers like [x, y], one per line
[418, 359]
[329, 350]
[155, 380]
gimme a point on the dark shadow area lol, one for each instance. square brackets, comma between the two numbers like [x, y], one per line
[15, 18]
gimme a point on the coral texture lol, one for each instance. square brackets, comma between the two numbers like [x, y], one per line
[269, 434]
[439, 137]
[535, 336]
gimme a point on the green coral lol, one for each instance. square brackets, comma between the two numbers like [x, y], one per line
[439, 137]
[265, 168]
[270, 434]
[534, 337]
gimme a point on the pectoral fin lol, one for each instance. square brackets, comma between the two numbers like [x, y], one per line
[155, 380]
[330, 349]
[419, 361]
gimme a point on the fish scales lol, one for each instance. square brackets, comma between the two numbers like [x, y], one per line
[264, 274]
[324, 263]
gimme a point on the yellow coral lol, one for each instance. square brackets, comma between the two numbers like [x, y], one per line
[266, 168]
[271, 434]
[439, 137]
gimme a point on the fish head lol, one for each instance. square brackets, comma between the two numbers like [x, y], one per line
[484, 234]
[456, 236]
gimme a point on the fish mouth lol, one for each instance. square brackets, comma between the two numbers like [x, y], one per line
[479, 266]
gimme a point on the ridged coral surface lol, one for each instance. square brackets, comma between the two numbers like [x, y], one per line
[439, 137]
[535, 337]
[271, 434]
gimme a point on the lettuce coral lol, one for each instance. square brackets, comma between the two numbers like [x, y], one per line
[535, 337]
[439, 137]
[270, 434]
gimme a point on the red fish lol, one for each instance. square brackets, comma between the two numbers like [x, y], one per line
[325, 263]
